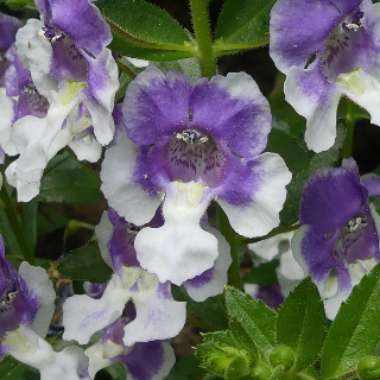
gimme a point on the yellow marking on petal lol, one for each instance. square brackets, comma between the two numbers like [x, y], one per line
[71, 91]
[353, 81]
[111, 350]
[331, 286]
[189, 193]
[17, 341]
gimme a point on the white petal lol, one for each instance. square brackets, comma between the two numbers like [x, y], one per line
[158, 316]
[86, 148]
[6, 121]
[289, 272]
[103, 233]
[251, 289]
[200, 290]
[318, 105]
[83, 316]
[268, 249]
[180, 249]
[36, 53]
[38, 283]
[99, 356]
[29, 348]
[124, 195]
[296, 245]
[363, 89]
[261, 215]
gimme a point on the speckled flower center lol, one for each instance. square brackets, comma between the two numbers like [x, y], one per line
[7, 299]
[69, 63]
[350, 233]
[337, 58]
[193, 155]
[36, 104]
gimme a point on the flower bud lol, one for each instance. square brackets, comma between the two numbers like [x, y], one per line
[282, 356]
[369, 368]
[261, 372]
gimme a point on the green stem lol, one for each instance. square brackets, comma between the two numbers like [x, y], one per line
[234, 277]
[350, 131]
[275, 232]
[203, 36]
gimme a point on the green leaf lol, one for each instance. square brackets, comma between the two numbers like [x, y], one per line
[264, 274]
[301, 324]
[254, 317]
[144, 30]
[185, 369]
[85, 264]
[355, 331]
[68, 180]
[10, 369]
[243, 24]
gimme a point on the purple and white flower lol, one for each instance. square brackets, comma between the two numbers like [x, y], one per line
[158, 315]
[186, 145]
[327, 49]
[26, 309]
[143, 361]
[271, 295]
[338, 242]
[75, 74]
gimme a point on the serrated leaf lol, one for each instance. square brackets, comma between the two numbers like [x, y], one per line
[68, 180]
[85, 264]
[255, 318]
[243, 24]
[144, 30]
[355, 331]
[301, 324]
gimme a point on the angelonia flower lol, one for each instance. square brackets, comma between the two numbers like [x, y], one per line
[327, 49]
[338, 242]
[289, 273]
[187, 144]
[26, 309]
[64, 84]
[143, 361]
[157, 315]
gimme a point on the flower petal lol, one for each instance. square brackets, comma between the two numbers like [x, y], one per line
[180, 249]
[149, 361]
[158, 316]
[261, 214]
[213, 281]
[124, 195]
[317, 100]
[38, 282]
[83, 316]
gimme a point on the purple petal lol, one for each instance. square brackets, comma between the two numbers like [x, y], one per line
[148, 361]
[8, 29]
[82, 21]
[372, 183]
[17, 304]
[299, 28]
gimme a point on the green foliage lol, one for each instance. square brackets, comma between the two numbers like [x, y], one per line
[144, 30]
[301, 324]
[355, 332]
[254, 317]
[11, 369]
[68, 180]
[243, 24]
[85, 264]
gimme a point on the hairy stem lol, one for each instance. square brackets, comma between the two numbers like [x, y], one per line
[203, 36]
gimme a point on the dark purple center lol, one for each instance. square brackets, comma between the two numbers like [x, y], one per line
[68, 61]
[193, 155]
[339, 55]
